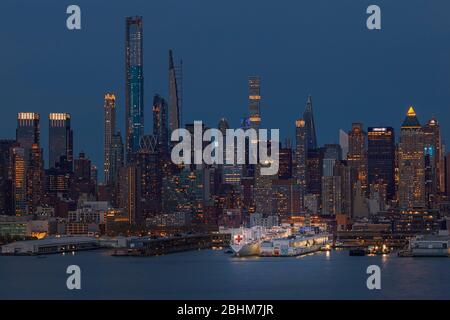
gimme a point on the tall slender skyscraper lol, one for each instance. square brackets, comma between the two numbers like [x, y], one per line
[60, 140]
[109, 108]
[310, 127]
[160, 123]
[174, 94]
[19, 181]
[35, 179]
[28, 131]
[134, 88]
[117, 157]
[254, 101]
[411, 162]
[435, 155]
[301, 153]
[357, 154]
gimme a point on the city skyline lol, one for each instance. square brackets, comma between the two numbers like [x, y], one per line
[218, 138]
[285, 90]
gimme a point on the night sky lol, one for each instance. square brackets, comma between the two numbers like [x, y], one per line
[317, 47]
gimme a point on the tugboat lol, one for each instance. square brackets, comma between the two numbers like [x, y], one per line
[357, 252]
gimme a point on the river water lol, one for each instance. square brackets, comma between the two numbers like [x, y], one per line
[211, 274]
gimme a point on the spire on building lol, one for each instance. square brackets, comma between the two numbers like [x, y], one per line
[308, 117]
[411, 120]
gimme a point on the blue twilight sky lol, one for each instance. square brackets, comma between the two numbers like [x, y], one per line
[299, 47]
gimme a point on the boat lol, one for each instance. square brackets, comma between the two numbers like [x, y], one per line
[295, 245]
[357, 252]
[245, 249]
[430, 246]
[247, 241]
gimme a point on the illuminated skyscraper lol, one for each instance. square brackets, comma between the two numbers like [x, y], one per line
[35, 179]
[411, 162]
[19, 181]
[285, 162]
[357, 154]
[6, 176]
[160, 123]
[109, 109]
[60, 141]
[434, 157]
[263, 191]
[301, 153]
[314, 171]
[28, 131]
[310, 127]
[381, 158]
[117, 157]
[149, 161]
[175, 93]
[130, 192]
[134, 88]
[254, 101]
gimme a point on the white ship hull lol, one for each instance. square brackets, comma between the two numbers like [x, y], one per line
[247, 249]
[291, 247]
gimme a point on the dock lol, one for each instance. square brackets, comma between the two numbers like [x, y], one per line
[144, 246]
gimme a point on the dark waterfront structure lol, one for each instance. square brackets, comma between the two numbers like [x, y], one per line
[134, 85]
[381, 158]
[60, 140]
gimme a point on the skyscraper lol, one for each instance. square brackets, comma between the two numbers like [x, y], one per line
[134, 87]
[160, 123]
[343, 142]
[285, 162]
[28, 131]
[6, 176]
[149, 162]
[300, 156]
[435, 157]
[314, 171]
[35, 179]
[19, 181]
[175, 74]
[310, 127]
[117, 157]
[109, 108]
[130, 192]
[254, 101]
[357, 154]
[60, 140]
[411, 162]
[381, 158]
